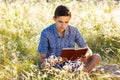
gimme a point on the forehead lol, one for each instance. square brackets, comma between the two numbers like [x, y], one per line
[63, 18]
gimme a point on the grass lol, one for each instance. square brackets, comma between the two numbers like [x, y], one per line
[22, 21]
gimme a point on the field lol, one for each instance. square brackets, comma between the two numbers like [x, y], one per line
[21, 22]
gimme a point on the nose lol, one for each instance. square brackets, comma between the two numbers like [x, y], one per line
[63, 24]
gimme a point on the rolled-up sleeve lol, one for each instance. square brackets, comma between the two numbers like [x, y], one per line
[43, 44]
[79, 39]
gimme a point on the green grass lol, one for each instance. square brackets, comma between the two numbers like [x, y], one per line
[22, 21]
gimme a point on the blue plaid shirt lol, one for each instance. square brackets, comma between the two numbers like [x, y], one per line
[51, 42]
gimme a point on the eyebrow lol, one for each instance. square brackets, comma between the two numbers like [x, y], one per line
[65, 21]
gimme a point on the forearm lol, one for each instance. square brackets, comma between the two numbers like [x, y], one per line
[89, 53]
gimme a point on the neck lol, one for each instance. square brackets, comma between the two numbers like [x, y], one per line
[61, 33]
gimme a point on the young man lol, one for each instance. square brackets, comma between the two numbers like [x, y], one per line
[61, 35]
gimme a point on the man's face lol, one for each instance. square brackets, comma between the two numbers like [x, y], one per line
[62, 22]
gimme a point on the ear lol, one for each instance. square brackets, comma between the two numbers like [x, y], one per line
[54, 18]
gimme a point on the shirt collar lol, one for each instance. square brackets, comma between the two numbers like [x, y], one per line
[55, 30]
[66, 31]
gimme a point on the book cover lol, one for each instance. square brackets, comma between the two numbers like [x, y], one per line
[72, 54]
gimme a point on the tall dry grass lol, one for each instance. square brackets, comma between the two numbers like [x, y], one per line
[21, 22]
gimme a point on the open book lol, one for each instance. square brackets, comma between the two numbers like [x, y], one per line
[72, 54]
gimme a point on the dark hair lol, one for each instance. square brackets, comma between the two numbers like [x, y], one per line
[62, 11]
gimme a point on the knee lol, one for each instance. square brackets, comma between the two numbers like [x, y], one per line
[96, 57]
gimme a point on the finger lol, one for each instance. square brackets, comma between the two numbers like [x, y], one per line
[83, 56]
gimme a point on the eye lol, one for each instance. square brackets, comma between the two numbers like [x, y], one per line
[60, 21]
[66, 22]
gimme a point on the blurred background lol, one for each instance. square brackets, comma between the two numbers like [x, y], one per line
[21, 22]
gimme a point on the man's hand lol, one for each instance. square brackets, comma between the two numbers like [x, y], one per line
[64, 59]
[42, 57]
[83, 59]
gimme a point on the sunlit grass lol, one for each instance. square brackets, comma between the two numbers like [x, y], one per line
[22, 21]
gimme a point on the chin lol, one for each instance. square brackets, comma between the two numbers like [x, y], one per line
[62, 30]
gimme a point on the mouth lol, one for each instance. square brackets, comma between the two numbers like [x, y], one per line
[61, 28]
